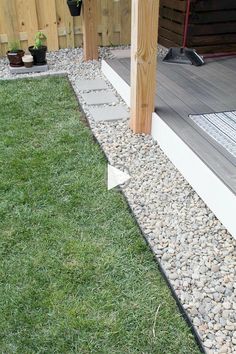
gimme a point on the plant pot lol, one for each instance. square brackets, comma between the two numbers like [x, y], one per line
[28, 61]
[75, 10]
[39, 55]
[15, 58]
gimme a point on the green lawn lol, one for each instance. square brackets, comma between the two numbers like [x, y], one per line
[75, 273]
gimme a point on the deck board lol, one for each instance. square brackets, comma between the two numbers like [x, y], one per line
[184, 90]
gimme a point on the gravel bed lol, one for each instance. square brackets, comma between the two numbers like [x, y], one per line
[194, 248]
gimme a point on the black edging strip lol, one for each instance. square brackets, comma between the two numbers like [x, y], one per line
[161, 269]
[173, 292]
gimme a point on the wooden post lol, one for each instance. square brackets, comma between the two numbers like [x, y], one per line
[90, 30]
[143, 63]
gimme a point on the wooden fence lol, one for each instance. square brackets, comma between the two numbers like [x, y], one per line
[20, 19]
[171, 22]
[211, 25]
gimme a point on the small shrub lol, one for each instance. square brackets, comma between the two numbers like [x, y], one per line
[14, 46]
[39, 40]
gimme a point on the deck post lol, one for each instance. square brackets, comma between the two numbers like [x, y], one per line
[143, 63]
[90, 35]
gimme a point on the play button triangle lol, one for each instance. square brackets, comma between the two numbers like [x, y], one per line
[116, 177]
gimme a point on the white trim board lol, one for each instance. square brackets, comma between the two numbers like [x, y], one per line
[119, 84]
[217, 196]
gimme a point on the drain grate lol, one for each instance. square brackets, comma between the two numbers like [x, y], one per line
[219, 129]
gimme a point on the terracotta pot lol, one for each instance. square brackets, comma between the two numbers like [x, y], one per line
[15, 58]
[28, 61]
[39, 55]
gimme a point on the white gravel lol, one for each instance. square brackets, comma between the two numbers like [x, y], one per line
[196, 251]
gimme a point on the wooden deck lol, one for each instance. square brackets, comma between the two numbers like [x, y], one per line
[183, 90]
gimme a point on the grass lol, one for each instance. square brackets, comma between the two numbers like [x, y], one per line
[75, 274]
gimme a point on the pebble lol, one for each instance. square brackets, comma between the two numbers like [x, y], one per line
[223, 349]
[173, 276]
[227, 305]
[226, 314]
[166, 257]
[197, 253]
[208, 343]
[215, 268]
[217, 309]
[196, 321]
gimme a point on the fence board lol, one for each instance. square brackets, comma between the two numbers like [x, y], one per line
[48, 23]
[175, 4]
[212, 17]
[65, 24]
[213, 5]
[27, 15]
[107, 8]
[8, 19]
[125, 11]
[211, 24]
[20, 19]
[211, 27]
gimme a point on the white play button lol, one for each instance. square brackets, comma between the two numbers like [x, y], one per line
[116, 177]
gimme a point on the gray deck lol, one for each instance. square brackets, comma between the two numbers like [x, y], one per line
[183, 90]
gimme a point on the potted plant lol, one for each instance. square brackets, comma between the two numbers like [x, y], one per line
[15, 54]
[38, 50]
[74, 7]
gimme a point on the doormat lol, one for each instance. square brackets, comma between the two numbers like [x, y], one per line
[219, 129]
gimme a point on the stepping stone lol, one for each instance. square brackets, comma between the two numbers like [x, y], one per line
[99, 97]
[87, 85]
[109, 113]
[121, 53]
